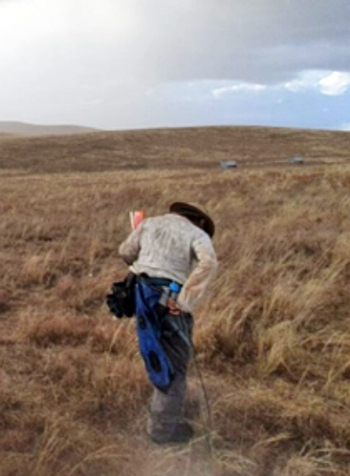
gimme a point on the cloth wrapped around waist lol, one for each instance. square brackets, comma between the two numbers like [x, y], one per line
[164, 339]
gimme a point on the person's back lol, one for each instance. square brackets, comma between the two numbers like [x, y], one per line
[172, 247]
[166, 247]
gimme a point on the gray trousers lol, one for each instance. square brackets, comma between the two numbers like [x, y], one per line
[167, 409]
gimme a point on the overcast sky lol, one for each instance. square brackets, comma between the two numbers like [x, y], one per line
[153, 63]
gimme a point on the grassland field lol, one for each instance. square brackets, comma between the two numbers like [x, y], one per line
[272, 339]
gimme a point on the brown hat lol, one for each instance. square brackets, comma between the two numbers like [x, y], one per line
[190, 210]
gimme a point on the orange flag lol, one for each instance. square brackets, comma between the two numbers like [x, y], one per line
[136, 218]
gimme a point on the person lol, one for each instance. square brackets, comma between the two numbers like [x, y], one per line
[172, 248]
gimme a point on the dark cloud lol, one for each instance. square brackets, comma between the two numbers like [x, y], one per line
[95, 61]
[260, 40]
[253, 40]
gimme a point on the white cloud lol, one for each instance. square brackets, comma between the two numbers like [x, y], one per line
[325, 82]
[239, 87]
[305, 81]
[345, 126]
[335, 84]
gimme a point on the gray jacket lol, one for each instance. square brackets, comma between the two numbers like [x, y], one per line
[170, 246]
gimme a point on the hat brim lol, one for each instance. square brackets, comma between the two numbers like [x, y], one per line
[189, 210]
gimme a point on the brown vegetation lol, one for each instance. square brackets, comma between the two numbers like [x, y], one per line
[273, 341]
[172, 149]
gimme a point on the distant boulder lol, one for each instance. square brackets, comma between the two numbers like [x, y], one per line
[228, 164]
[297, 159]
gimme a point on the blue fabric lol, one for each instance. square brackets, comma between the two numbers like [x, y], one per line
[148, 315]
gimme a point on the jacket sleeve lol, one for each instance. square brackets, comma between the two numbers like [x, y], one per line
[130, 248]
[202, 275]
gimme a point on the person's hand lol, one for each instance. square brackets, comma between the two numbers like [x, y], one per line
[172, 306]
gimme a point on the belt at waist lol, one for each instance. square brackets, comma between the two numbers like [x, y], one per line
[159, 281]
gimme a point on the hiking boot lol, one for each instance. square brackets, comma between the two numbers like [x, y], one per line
[182, 433]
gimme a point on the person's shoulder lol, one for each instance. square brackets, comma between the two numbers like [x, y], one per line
[180, 222]
[155, 221]
[199, 236]
[168, 218]
[191, 229]
[203, 237]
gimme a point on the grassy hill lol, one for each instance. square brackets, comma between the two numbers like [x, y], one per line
[24, 129]
[273, 339]
[173, 149]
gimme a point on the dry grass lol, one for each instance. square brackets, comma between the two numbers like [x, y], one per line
[273, 340]
[171, 149]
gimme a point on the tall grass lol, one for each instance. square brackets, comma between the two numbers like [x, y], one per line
[273, 338]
